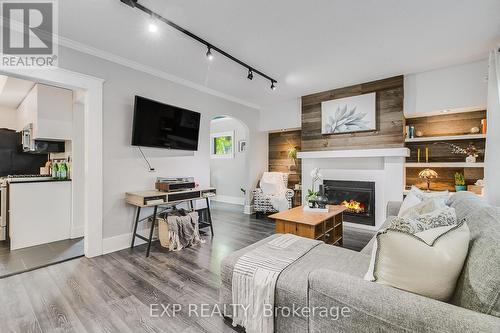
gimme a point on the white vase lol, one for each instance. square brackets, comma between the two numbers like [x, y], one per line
[470, 159]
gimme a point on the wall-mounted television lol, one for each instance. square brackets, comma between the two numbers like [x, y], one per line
[164, 126]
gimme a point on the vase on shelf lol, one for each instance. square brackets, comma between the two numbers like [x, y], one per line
[470, 159]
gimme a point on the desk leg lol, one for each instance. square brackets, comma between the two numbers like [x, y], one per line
[151, 231]
[210, 216]
[135, 226]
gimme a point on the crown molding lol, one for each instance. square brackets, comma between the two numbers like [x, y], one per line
[87, 49]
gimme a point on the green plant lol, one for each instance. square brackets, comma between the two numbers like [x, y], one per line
[292, 153]
[243, 191]
[459, 179]
[311, 195]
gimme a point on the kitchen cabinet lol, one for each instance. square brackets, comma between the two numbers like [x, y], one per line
[39, 212]
[49, 110]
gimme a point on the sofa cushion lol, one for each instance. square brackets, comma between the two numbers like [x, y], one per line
[478, 287]
[466, 203]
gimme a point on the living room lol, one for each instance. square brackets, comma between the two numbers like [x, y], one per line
[266, 167]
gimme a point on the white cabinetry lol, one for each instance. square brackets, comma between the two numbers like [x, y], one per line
[39, 213]
[50, 110]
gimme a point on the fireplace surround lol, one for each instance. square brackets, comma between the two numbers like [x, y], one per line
[357, 196]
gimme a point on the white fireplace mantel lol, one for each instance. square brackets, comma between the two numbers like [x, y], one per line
[352, 153]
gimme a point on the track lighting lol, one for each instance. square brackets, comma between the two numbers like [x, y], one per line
[210, 56]
[250, 74]
[153, 28]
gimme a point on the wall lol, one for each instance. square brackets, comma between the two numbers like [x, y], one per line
[390, 121]
[123, 168]
[284, 115]
[8, 118]
[457, 87]
[228, 175]
[279, 144]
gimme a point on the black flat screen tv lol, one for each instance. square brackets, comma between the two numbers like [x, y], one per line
[161, 125]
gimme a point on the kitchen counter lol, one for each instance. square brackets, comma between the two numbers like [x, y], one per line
[16, 181]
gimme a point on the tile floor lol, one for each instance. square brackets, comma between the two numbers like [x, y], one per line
[18, 261]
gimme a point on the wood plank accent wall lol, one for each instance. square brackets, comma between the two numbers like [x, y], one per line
[279, 143]
[390, 118]
[447, 124]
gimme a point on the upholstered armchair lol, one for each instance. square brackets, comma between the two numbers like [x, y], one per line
[262, 201]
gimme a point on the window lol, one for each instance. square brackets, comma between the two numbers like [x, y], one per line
[222, 145]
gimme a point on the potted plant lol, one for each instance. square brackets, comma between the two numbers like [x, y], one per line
[460, 182]
[471, 152]
[312, 194]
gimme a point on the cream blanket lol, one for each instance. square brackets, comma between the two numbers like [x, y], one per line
[254, 280]
[183, 231]
[274, 188]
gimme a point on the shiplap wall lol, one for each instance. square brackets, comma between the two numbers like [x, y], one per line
[390, 118]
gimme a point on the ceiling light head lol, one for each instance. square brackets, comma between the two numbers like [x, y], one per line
[210, 56]
[153, 27]
[250, 74]
[273, 87]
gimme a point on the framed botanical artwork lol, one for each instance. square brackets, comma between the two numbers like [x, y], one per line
[222, 145]
[242, 145]
[349, 114]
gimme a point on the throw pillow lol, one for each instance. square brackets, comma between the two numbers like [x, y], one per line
[422, 195]
[431, 214]
[427, 263]
[407, 225]
[269, 188]
[410, 201]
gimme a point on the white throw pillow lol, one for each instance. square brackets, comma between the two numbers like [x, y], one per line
[410, 201]
[426, 263]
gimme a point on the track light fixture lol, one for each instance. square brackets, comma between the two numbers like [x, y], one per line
[250, 74]
[210, 56]
[210, 47]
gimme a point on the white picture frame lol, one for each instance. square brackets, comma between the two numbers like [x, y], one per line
[219, 152]
[349, 114]
[242, 146]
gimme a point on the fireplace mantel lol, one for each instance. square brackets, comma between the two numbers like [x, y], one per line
[384, 152]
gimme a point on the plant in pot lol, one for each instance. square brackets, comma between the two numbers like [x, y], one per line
[312, 194]
[460, 182]
[471, 152]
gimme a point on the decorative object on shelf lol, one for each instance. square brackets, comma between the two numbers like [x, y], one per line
[483, 126]
[418, 155]
[477, 188]
[292, 155]
[428, 174]
[411, 132]
[460, 182]
[426, 154]
[349, 114]
[419, 134]
[242, 145]
[471, 152]
[474, 130]
[407, 131]
[321, 199]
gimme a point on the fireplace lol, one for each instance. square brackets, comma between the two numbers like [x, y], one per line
[357, 196]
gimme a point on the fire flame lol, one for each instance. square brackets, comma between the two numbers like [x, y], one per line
[354, 205]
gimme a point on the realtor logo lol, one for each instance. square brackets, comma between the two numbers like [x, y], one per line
[28, 29]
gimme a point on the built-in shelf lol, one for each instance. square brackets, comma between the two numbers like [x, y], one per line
[445, 165]
[446, 138]
[378, 152]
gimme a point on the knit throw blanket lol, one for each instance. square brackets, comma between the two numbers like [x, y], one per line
[254, 280]
[183, 231]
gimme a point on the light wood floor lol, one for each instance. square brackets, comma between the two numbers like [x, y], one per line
[113, 293]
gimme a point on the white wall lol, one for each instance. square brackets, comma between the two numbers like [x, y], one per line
[8, 118]
[123, 168]
[284, 115]
[229, 175]
[451, 88]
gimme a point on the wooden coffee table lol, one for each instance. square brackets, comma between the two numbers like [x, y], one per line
[322, 226]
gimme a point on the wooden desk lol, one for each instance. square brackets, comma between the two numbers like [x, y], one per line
[137, 199]
[322, 226]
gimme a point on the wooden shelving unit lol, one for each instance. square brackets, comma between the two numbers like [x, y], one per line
[447, 138]
[437, 132]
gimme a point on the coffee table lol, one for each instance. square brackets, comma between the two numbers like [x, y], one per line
[315, 225]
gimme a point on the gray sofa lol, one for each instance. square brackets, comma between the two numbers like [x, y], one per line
[332, 277]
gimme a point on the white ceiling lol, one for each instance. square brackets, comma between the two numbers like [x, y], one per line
[13, 91]
[308, 46]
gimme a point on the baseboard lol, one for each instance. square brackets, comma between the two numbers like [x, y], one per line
[120, 242]
[229, 199]
[77, 232]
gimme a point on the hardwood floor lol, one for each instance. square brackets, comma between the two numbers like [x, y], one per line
[113, 293]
